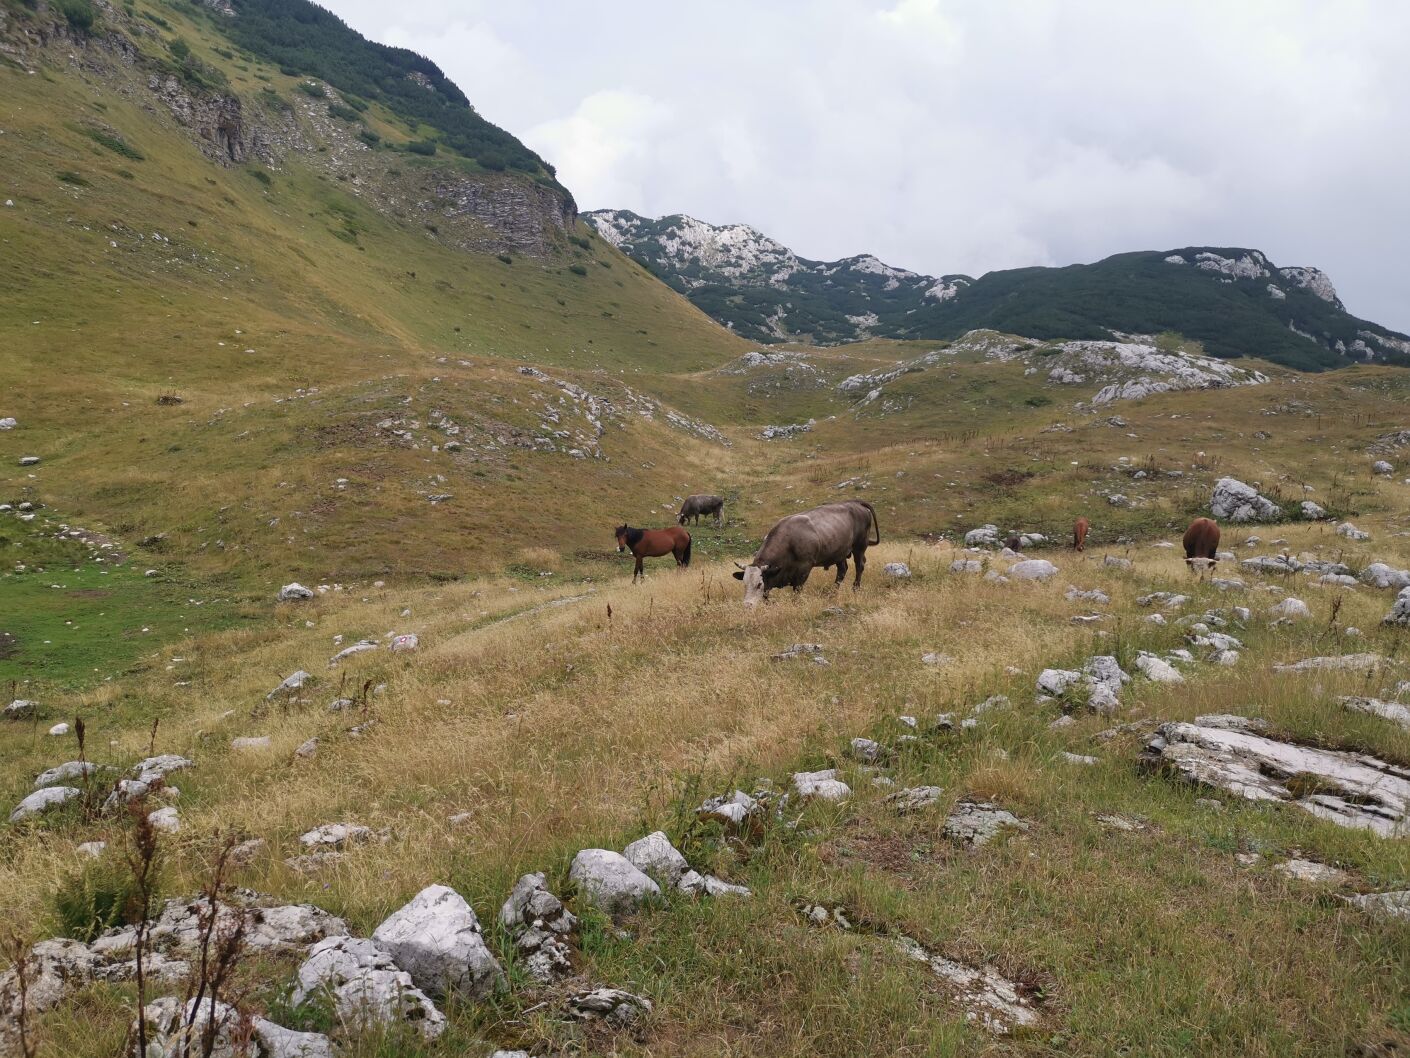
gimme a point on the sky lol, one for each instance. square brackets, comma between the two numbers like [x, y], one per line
[952, 136]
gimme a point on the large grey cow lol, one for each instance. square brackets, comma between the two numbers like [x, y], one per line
[695, 506]
[824, 536]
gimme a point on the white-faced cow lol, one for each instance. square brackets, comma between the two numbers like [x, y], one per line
[824, 536]
[695, 506]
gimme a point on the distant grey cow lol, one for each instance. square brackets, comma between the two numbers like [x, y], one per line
[824, 537]
[695, 506]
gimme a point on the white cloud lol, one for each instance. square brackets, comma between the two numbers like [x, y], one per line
[949, 136]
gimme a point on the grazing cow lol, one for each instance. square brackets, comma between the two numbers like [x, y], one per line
[695, 506]
[1079, 534]
[824, 536]
[1202, 544]
[653, 543]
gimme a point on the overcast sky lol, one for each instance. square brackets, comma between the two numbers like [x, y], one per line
[948, 136]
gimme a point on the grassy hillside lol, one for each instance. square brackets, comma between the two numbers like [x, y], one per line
[318, 361]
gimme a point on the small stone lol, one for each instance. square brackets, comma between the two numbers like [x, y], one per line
[1300, 870]
[657, 857]
[256, 742]
[165, 819]
[915, 798]
[897, 570]
[823, 785]
[59, 729]
[294, 592]
[977, 823]
[865, 750]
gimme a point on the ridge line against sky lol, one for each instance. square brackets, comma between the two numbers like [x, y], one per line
[960, 137]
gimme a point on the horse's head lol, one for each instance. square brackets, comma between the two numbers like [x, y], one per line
[755, 590]
[621, 532]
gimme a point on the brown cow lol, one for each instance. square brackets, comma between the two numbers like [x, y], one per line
[824, 536]
[1079, 534]
[1202, 544]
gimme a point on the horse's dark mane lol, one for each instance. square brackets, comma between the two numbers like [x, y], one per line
[633, 536]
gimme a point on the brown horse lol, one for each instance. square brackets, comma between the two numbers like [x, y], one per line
[1079, 534]
[1202, 544]
[653, 543]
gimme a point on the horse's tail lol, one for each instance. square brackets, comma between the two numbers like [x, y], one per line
[685, 559]
[875, 524]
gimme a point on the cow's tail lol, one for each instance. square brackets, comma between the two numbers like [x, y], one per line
[875, 524]
[685, 558]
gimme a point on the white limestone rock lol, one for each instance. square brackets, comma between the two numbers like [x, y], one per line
[41, 801]
[1352, 790]
[610, 882]
[1235, 501]
[294, 592]
[978, 823]
[823, 785]
[1033, 569]
[656, 856]
[436, 938]
[366, 987]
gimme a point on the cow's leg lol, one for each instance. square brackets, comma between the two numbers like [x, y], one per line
[841, 572]
[859, 558]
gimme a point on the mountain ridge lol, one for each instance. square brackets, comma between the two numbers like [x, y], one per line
[766, 292]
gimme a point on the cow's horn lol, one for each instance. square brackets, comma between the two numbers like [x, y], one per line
[739, 564]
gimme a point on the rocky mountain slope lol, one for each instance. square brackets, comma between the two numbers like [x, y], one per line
[1234, 300]
[764, 291]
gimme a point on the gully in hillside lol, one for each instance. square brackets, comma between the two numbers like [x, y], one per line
[653, 543]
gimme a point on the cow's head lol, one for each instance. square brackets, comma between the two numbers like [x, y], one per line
[755, 589]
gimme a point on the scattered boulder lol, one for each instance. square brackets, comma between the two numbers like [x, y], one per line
[611, 1005]
[979, 822]
[1235, 501]
[1350, 531]
[1300, 870]
[1096, 595]
[59, 729]
[366, 987]
[1394, 905]
[157, 768]
[335, 836]
[656, 856]
[823, 785]
[1313, 512]
[812, 651]
[1353, 790]
[66, 772]
[865, 750]
[1033, 569]
[733, 810]
[41, 801]
[915, 798]
[695, 884]
[1380, 575]
[540, 926]
[1114, 562]
[896, 570]
[1158, 670]
[1392, 711]
[404, 644]
[1056, 682]
[436, 939]
[1336, 663]
[966, 565]
[984, 536]
[1290, 609]
[289, 687]
[360, 647]
[610, 882]
[167, 820]
[20, 709]
[1380, 466]
[294, 592]
[1399, 610]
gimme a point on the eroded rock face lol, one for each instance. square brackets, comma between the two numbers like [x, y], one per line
[1235, 501]
[1353, 790]
[436, 939]
[366, 987]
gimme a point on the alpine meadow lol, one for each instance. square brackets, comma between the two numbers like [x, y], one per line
[336, 721]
